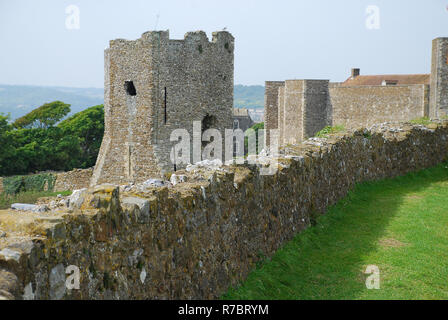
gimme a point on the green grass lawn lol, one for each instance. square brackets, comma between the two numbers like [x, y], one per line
[27, 197]
[399, 225]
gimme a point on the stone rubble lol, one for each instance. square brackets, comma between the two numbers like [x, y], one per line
[29, 207]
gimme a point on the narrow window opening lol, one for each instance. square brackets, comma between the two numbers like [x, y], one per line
[164, 106]
[130, 88]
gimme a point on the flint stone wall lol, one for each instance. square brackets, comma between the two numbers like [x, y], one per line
[73, 180]
[307, 106]
[439, 78]
[271, 104]
[196, 239]
[175, 82]
[363, 106]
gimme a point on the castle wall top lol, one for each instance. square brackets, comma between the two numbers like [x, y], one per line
[164, 37]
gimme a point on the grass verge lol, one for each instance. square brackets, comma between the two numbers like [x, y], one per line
[423, 121]
[399, 225]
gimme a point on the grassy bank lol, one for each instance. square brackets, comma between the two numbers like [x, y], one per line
[399, 225]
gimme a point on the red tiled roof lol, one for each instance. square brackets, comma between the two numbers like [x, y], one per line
[377, 80]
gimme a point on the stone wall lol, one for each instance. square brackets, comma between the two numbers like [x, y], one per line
[293, 112]
[281, 114]
[154, 85]
[307, 106]
[361, 106]
[73, 180]
[271, 107]
[242, 122]
[301, 115]
[314, 107]
[439, 78]
[302, 110]
[197, 238]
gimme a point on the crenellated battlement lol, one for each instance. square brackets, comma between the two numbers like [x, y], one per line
[219, 38]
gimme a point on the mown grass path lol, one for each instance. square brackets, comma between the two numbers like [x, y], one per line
[399, 225]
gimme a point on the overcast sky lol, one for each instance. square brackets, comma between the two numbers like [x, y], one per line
[275, 39]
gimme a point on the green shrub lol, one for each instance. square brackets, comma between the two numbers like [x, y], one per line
[422, 121]
[329, 130]
[37, 182]
[255, 127]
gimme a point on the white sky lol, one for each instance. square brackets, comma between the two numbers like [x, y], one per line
[275, 39]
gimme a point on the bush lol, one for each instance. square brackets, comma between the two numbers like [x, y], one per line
[88, 127]
[255, 127]
[35, 183]
[36, 145]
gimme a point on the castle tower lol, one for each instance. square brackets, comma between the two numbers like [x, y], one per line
[305, 109]
[439, 79]
[271, 105]
[154, 85]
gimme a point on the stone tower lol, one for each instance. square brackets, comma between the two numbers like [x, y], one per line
[154, 85]
[305, 109]
[438, 105]
[271, 104]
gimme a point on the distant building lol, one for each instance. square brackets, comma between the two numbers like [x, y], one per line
[300, 108]
[256, 114]
[356, 79]
[242, 119]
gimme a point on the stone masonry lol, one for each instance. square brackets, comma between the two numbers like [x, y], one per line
[73, 180]
[271, 106]
[205, 230]
[439, 78]
[195, 239]
[356, 106]
[304, 107]
[153, 86]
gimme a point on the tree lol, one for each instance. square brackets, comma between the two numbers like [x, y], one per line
[248, 133]
[6, 146]
[43, 117]
[88, 127]
[39, 149]
[36, 145]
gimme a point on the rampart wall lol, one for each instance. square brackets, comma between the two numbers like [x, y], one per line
[363, 106]
[73, 180]
[271, 103]
[197, 238]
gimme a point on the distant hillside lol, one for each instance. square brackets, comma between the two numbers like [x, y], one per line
[248, 96]
[19, 100]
